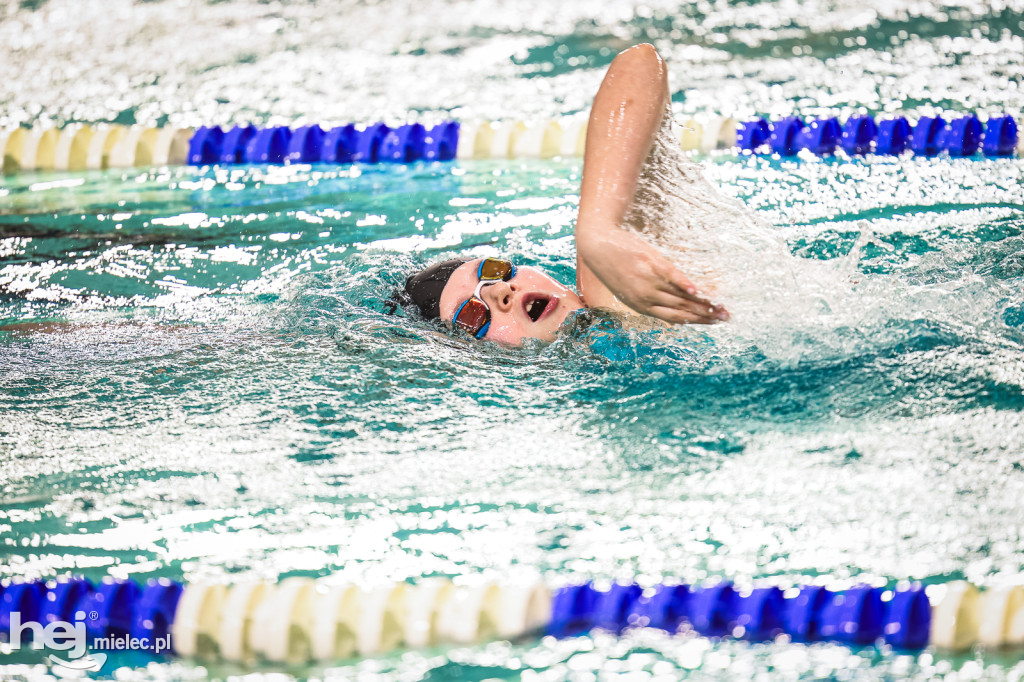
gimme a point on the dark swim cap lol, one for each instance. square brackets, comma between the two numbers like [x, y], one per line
[424, 288]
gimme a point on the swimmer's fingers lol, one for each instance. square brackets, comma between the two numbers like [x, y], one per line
[700, 308]
[677, 316]
[688, 313]
[675, 282]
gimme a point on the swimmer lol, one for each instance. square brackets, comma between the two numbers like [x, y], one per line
[497, 300]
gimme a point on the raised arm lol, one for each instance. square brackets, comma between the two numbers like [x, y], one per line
[617, 268]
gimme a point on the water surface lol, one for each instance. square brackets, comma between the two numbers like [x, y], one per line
[198, 378]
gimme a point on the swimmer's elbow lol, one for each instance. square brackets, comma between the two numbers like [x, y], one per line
[642, 57]
[642, 68]
[640, 51]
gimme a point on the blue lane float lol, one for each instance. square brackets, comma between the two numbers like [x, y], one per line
[571, 610]
[783, 136]
[235, 142]
[854, 616]
[24, 598]
[441, 142]
[820, 136]
[665, 608]
[62, 599]
[963, 136]
[305, 145]
[924, 138]
[908, 620]
[112, 609]
[759, 613]
[403, 144]
[109, 609]
[268, 145]
[154, 611]
[205, 146]
[368, 143]
[612, 607]
[857, 616]
[712, 609]
[339, 144]
[893, 136]
[1000, 136]
[802, 616]
[752, 134]
[858, 135]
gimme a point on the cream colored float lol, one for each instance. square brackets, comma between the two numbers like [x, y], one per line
[539, 141]
[197, 620]
[234, 632]
[170, 148]
[102, 144]
[955, 616]
[503, 143]
[475, 140]
[470, 614]
[38, 149]
[12, 141]
[718, 133]
[1001, 618]
[283, 623]
[574, 137]
[134, 148]
[72, 149]
[379, 624]
[423, 602]
[335, 621]
[691, 135]
[523, 607]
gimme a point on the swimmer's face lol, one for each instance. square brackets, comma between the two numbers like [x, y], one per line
[530, 305]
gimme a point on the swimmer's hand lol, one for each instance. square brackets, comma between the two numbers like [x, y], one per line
[615, 267]
[642, 278]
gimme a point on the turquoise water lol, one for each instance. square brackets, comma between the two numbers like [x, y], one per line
[197, 378]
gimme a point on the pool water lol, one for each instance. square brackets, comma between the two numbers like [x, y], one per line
[198, 378]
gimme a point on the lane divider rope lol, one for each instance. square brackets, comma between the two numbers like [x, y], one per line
[84, 147]
[301, 619]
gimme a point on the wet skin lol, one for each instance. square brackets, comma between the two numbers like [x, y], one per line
[530, 305]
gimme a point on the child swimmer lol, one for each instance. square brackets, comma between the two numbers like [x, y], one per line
[616, 269]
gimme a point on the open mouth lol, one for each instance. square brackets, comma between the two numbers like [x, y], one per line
[538, 305]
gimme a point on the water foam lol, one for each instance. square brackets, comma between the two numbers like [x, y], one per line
[786, 305]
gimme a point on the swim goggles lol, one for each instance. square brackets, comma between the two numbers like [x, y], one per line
[473, 315]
